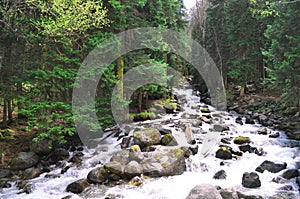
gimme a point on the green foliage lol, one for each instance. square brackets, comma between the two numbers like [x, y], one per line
[53, 119]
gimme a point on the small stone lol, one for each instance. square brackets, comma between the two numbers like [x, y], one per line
[220, 175]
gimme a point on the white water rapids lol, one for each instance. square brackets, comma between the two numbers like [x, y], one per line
[198, 170]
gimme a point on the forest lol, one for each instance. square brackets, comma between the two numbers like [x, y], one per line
[44, 48]
[44, 43]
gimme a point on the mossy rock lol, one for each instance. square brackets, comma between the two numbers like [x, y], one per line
[241, 140]
[205, 110]
[169, 140]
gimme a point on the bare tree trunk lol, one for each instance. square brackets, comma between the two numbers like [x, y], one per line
[4, 116]
[9, 111]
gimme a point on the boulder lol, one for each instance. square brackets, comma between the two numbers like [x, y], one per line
[249, 120]
[220, 127]
[205, 110]
[58, 155]
[241, 140]
[271, 166]
[24, 160]
[132, 169]
[114, 167]
[244, 148]
[204, 191]
[146, 137]
[251, 180]
[164, 162]
[78, 186]
[239, 120]
[220, 175]
[224, 153]
[229, 194]
[97, 175]
[121, 157]
[169, 140]
[42, 147]
[274, 135]
[290, 173]
[262, 131]
[135, 153]
[31, 173]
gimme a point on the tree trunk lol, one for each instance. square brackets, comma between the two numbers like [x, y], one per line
[4, 116]
[9, 111]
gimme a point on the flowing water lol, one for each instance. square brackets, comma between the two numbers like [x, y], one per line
[198, 170]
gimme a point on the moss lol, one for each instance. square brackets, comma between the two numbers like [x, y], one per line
[241, 140]
[164, 164]
[135, 148]
[179, 153]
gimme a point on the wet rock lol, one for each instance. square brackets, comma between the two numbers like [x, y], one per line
[136, 181]
[286, 188]
[165, 131]
[290, 173]
[244, 196]
[24, 160]
[228, 194]
[245, 148]
[132, 169]
[169, 140]
[42, 147]
[274, 135]
[5, 173]
[135, 153]
[262, 131]
[239, 120]
[125, 142]
[114, 167]
[224, 153]
[220, 127]
[58, 155]
[31, 173]
[71, 197]
[220, 175]
[52, 176]
[193, 149]
[251, 180]
[164, 162]
[204, 191]
[121, 157]
[262, 119]
[146, 137]
[205, 110]
[5, 185]
[241, 140]
[271, 167]
[78, 186]
[249, 120]
[65, 169]
[98, 175]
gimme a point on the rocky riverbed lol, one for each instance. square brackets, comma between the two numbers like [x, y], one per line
[243, 157]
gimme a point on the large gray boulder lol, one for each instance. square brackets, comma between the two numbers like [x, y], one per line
[204, 191]
[42, 147]
[97, 175]
[164, 162]
[271, 167]
[78, 186]
[24, 160]
[146, 137]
